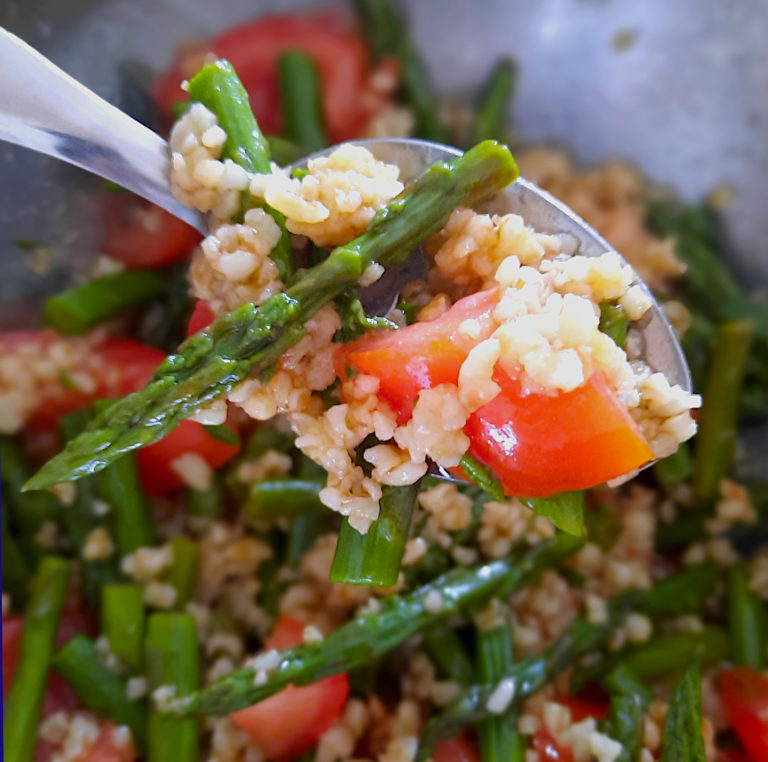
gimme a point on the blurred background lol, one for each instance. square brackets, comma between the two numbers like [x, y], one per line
[680, 89]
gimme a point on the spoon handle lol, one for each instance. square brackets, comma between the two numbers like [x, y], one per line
[43, 108]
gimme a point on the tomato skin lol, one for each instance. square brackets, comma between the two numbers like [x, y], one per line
[253, 49]
[287, 725]
[538, 444]
[154, 461]
[140, 234]
[202, 316]
[456, 749]
[745, 699]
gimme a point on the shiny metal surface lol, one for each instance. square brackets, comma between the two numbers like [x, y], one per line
[660, 347]
[44, 109]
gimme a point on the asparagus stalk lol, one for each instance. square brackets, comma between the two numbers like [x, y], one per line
[625, 682]
[448, 653]
[683, 741]
[491, 117]
[625, 725]
[24, 705]
[271, 498]
[122, 622]
[172, 660]
[79, 309]
[717, 430]
[747, 621]
[374, 558]
[499, 739]
[614, 322]
[252, 338]
[219, 89]
[684, 592]
[99, 688]
[302, 535]
[528, 676]
[301, 101]
[369, 636]
[386, 31]
[182, 573]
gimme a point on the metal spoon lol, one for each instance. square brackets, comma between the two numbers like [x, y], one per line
[43, 108]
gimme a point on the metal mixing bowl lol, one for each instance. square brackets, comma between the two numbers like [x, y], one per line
[680, 88]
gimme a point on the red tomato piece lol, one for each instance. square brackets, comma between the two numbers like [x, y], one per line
[126, 365]
[456, 749]
[549, 750]
[253, 49]
[155, 461]
[288, 724]
[583, 706]
[745, 699]
[733, 755]
[537, 444]
[140, 234]
[202, 316]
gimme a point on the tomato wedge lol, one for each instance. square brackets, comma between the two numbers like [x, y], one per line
[537, 444]
[456, 749]
[744, 692]
[202, 316]
[140, 234]
[288, 724]
[253, 49]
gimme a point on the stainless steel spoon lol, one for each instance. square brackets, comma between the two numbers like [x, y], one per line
[43, 108]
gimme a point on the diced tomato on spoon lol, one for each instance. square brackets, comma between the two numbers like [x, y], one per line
[537, 444]
[287, 725]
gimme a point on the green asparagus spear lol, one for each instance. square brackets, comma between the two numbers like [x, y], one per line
[301, 101]
[747, 621]
[99, 688]
[79, 309]
[492, 117]
[623, 681]
[172, 660]
[15, 573]
[387, 34]
[499, 739]
[527, 676]
[369, 636]
[24, 706]
[271, 498]
[219, 89]
[625, 725]
[26, 512]
[122, 622]
[250, 338]
[683, 740]
[444, 647]
[182, 573]
[374, 558]
[684, 592]
[717, 429]
[302, 535]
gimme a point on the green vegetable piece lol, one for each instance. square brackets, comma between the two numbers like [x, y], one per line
[499, 739]
[302, 535]
[122, 622]
[81, 308]
[604, 526]
[223, 433]
[374, 558]
[747, 621]
[172, 660]
[565, 511]
[301, 101]
[206, 503]
[623, 681]
[99, 688]
[386, 31]
[444, 647]
[282, 151]
[683, 741]
[364, 639]
[625, 725]
[717, 428]
[252, 338]
[355, 321]
[493, 111]
[182, 573]
[271, 498]
[614, 322]
[682, 593]
[483, 476]
[220, 90]
[23, 708]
